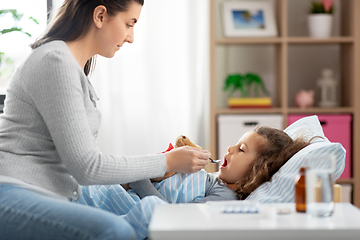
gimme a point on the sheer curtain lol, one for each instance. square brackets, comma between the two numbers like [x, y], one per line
[157, 88]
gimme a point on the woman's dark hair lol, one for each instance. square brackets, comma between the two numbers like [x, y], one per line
[272, 155]
[74, 18]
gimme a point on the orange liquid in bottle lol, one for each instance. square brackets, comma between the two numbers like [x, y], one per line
[300, 194]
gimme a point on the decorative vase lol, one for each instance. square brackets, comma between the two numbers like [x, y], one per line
[320, 25]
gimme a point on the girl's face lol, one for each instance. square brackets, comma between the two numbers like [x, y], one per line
[239, 158]
[116, 30]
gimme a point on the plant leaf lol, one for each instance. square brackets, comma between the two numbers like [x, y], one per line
[16, 16]
[34, 20]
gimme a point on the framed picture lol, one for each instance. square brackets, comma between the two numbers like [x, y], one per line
[249, 19]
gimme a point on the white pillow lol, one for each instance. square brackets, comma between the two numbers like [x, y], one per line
[281, 186]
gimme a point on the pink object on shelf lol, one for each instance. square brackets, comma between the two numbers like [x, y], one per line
[304, 98]
[337, 128]
[327, 5]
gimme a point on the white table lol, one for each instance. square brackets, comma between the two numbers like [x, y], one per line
[202, 221]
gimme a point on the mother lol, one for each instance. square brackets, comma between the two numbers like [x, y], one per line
[49, 127]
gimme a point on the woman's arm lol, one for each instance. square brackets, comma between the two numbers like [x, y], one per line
[61, 98]
[57, 90]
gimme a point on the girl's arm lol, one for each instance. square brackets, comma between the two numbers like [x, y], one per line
[216, 191]
[145, 188]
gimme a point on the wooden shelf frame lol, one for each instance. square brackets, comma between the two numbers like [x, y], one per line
[349, 43]
[286, 40]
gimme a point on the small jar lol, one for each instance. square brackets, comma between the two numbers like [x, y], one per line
[300, 191]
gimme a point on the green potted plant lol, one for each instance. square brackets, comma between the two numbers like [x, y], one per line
[320, 18]
[6, 70]
[249, 86]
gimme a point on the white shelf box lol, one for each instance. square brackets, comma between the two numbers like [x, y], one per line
[232, 127]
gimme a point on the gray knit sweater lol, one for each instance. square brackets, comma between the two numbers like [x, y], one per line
[49, 126]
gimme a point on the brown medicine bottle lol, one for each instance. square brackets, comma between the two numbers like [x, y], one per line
[300, 195]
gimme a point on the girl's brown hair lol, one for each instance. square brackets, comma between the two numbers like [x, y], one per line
[73, 21]
[272, 155]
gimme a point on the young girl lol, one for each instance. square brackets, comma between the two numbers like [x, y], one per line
[48, 131]
[248, 164]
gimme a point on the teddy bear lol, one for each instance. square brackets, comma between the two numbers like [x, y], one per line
[179, 142]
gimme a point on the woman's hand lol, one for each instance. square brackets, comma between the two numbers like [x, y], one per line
[186, 159]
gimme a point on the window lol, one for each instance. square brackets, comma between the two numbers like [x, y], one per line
[14, 46]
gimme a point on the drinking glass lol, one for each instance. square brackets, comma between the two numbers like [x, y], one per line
[319, 179]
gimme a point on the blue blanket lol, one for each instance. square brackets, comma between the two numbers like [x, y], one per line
[180, 188]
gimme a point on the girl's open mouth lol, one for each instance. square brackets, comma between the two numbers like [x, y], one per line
[224, 163]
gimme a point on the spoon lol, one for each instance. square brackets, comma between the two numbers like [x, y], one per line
[215, 161]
